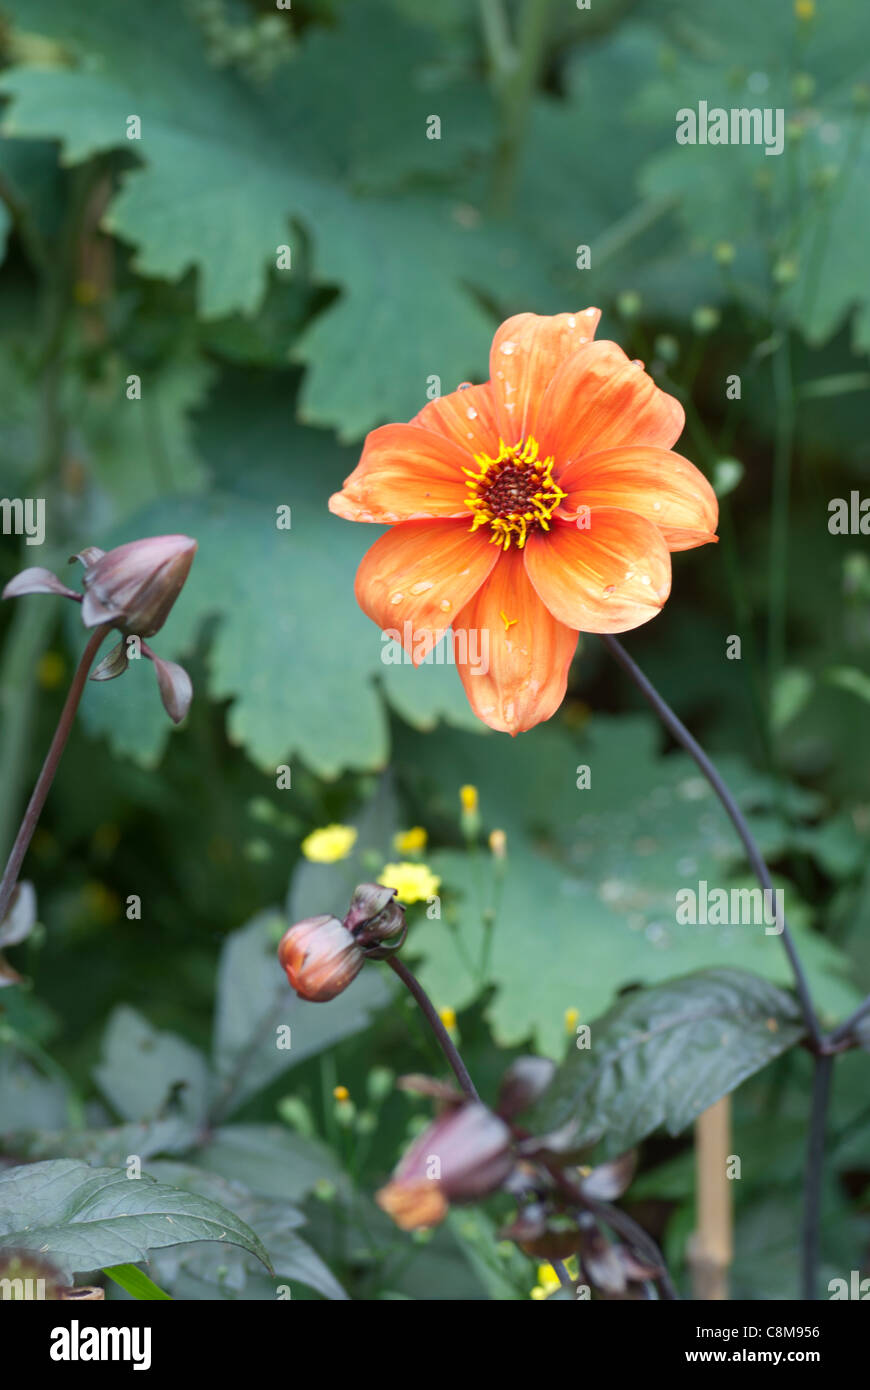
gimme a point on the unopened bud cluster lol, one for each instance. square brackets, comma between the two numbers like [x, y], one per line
[323, 955]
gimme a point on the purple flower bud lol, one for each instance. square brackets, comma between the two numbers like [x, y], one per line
[134, 586]
[320, 958]
[464, 1154]
[374, 915]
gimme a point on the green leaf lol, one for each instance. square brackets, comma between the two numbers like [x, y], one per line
[663, 1055]
[269, 1160]
[133, 1281]
[84, 1218]
[586, 904]
[205, 1271]
[289, 629]
[143, 1070]
[206, 131]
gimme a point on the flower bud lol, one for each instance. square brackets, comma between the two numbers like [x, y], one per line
[465, 1154]
[374, 915]
[134, 586]
[320, 958]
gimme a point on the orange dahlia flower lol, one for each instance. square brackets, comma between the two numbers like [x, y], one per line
[522, 512]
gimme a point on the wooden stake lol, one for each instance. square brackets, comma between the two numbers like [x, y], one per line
[711, 1248]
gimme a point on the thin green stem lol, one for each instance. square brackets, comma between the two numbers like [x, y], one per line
[49, 768]
[514, 75]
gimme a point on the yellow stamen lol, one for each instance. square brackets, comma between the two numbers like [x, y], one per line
[513, 494]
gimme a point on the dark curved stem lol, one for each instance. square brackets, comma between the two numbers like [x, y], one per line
[445, 1042]
[753, 854]
[814, 1171]
[49, 768]
[457, 1066]
[844, 1030]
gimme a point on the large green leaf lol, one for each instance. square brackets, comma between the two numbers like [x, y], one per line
[202, 1271]
[802, 206]
[142, 1070]
[291, 649]
[84, 1218]
[587, 899]
[269, 1160]
[662, 1055]
[226, 165]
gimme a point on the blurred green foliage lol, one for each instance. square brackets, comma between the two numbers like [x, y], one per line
[159, 258]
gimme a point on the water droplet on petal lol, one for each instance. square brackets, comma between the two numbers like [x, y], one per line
[464, 385]
[445, 605]
[471, 413]
[396, 598]
[645, 579]
[421, 586]
[608, 590]
[657, 506]
[508, 348]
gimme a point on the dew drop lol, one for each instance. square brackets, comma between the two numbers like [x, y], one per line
[421, 586]
[645, 579]
[572, 321]
[608, 590]
[508, 348]
[445, 605]
[471, 413]
[590, 313]
[396, 598]
[657, 506]
[464, 385]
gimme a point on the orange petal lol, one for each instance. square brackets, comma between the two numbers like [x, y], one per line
[610, 577]
[405, 473]
[664, 487]
[599, 400]
[512, 654]
[526, 353]
[466, 417]
[418, 576]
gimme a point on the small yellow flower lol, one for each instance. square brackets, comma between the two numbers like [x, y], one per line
[572, 1018]
[548, 1282]
[414, 883]
[805, 9]
[330, 844]
[410, 841]
[340, 1093]
[468, 797]
[448, 1018]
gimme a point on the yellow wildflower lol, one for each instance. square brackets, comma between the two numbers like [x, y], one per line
[331, 843]
[413, 883]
